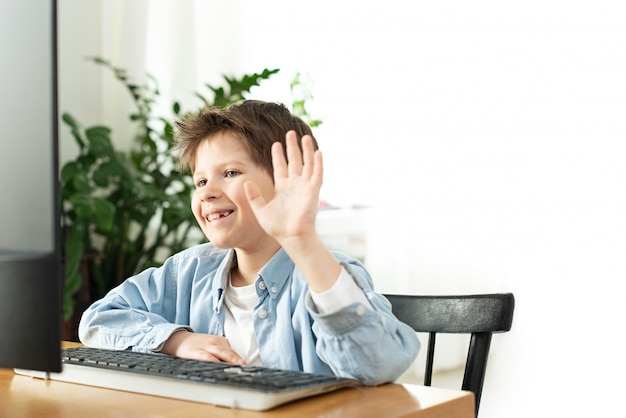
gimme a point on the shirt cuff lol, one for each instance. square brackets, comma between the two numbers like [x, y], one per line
[167, 332]
[342, 294]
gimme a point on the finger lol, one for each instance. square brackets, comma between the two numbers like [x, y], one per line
[318, 168]
[226, 354]
[294, 155]
[202, 356]
[254, 196]
[278, 161]
[308, 156]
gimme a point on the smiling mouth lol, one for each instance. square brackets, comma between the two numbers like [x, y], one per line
[215, 216]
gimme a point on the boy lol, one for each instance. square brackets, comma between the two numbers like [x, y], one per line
[264, 290]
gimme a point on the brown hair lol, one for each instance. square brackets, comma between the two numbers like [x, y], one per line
[259, 124]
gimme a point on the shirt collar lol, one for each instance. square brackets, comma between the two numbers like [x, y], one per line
[221, 274]
[276, 272]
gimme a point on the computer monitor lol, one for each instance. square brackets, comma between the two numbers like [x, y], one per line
[30, 250]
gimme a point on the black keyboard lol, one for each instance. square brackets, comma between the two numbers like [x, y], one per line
[225, 384]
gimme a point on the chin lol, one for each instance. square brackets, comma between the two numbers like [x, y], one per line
[218, 243]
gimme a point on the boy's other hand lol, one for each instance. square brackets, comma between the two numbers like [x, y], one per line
[203, 347]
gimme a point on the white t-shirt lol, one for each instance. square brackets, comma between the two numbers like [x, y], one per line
[238, 326]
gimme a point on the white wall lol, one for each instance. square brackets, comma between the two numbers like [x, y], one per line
[488, 138]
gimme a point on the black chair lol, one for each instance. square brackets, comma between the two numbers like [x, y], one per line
[478, 315]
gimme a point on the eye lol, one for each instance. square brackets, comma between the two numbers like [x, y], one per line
[200, 183]
[231, 173]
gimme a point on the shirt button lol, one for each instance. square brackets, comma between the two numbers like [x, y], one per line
[274, 289]
[360, 310]
[262, 285]
[262, 314]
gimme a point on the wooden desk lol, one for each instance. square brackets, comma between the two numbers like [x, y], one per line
[25, 397]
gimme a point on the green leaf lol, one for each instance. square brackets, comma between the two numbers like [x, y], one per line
[100, 140]
[201, 97]
[99, 60]
[69, 170]
[72, 283]
[70, 121]
[68, 308]
[80, 183]
[73, 249]
[82, 205]
[75, 128]
[101, 177]
[108, 171]
[104, 213]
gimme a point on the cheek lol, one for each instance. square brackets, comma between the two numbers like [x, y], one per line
[237, 195]
[195, 203]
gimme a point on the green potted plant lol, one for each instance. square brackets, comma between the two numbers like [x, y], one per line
[124, 211]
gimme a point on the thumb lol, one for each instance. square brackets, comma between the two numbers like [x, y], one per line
[254, 196]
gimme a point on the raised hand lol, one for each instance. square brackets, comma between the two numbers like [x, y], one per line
[290, 213]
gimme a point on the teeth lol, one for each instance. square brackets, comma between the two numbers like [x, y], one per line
[215, 216]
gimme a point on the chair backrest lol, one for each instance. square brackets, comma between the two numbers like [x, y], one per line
[477, 315]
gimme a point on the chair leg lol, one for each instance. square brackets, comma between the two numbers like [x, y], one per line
[476, 366]
[430, 358]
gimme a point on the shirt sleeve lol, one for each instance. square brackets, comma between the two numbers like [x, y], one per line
[140, 314]
[364, 341]
[342, 294]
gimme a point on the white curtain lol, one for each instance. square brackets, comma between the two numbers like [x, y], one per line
[183, 44]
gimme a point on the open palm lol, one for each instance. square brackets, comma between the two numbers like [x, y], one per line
[291, 212]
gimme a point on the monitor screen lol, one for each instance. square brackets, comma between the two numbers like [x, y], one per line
[30, 250]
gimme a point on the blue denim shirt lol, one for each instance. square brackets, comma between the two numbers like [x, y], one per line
[187, 292]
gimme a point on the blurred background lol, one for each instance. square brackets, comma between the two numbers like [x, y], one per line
[469, 147]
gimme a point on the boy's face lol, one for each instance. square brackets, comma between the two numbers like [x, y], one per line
[219, 203]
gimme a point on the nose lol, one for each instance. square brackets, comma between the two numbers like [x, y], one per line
[208, 191]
